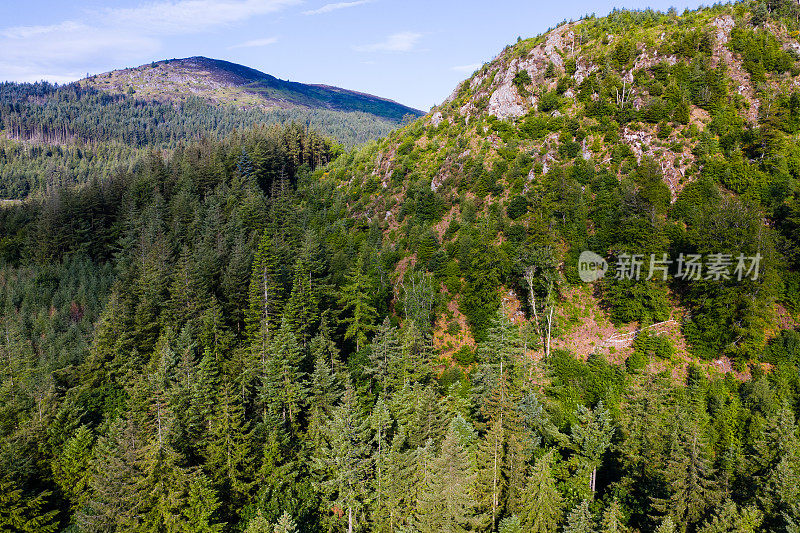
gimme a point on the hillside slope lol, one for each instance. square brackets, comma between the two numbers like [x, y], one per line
[639, 133]
[102, 124]
[235, 335]
[225, 82]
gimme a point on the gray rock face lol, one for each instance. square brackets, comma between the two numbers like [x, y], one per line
[725, 25]
[505, 102]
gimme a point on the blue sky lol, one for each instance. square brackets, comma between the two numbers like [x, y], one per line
[413, 51]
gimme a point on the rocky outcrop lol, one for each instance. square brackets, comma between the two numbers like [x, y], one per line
[505, 102]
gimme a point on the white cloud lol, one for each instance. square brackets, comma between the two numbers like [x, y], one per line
[255, 43]
[466, 69]
[117, 36]
[327, 8]
[398, 42]
[190, 16]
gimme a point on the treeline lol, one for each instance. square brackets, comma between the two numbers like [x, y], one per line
[63, 114]
[31, 169]
[210, 343]
[56, 136]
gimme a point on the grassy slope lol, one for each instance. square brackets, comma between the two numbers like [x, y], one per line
[229, 83]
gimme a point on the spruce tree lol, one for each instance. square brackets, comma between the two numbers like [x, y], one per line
[302, 310]
[400, 482]
[285, 524]
[384, 349]
[611, 521]
[510, 524]
[116, 466]
[580, 519]
[283, 388]
[591, 437]
[380, 422]
[667, 525]
[503, 342]
[185, 291]
[259, 524]
[776, 465]
[71, 468]
[542, 503]
[412, 363]
[491, 484]
[25, 514]
[446, 503]
[342, 460]
[229, 461]
[265, 294]
[199, 508]
[730, 518]
[356, 302]
[689, 472]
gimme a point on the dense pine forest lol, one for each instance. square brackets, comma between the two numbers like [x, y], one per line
[53, 137]
[257, 330]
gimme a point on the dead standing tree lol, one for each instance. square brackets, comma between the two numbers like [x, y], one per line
[541, 278]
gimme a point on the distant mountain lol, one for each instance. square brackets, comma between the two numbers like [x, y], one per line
[225, 82]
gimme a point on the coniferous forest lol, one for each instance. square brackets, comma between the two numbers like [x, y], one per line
[223, 323]
[56, 137]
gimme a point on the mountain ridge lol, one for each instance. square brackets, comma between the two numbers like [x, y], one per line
[222, 81]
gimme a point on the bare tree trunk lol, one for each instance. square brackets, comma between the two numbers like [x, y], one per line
[532, 296]
[494, 489]
[349, 520]
[549, 330]
[495, 496]
[266, 306]
[10, 368]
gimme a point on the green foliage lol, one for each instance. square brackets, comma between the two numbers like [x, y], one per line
[648, 345]
[636, 301]
[611, 521]
[480, 298]
[25, 514]
[234, 335]
[623, 54]
[580, 519]
[342, 460]
[549, 101]
[71, 469]
[356, 301]
[543, 505]
[517, 207]
[731, 519]
[521, 81]
[761, 53]
[258, 524]
[446, 499]
[785, 348]
[465, 356]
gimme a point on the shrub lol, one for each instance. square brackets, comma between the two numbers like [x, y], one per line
[521, 81]
[465, 356]
[549, 101]
[785, 348]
